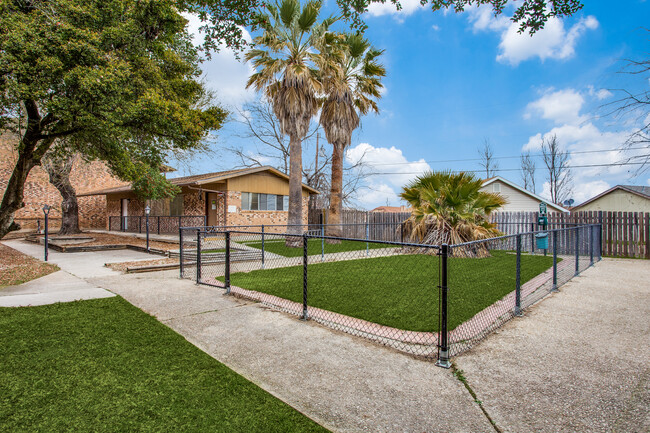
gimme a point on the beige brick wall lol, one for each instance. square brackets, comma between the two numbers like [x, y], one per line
[38, 190]
[259, 217]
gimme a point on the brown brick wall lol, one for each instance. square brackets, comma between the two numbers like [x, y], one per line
[38, 190]
[192, 204]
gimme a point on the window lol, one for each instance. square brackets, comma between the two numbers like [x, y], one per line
[258, 201]
[166, 206]
[496, 187]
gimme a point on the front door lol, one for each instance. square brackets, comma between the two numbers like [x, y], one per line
[216, 211]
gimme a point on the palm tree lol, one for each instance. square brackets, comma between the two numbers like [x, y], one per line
[450, 208]
[351, 81]
[286, 61]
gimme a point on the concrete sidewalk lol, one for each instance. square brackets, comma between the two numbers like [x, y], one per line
[68, 284]
[345, 383]
[579, 361]
[56, 287]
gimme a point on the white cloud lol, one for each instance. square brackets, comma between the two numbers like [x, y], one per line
[581, 192]
[377, 194]
[599, 94]
[562, 106]
[435, 27]
[552, 42]
[388, 8]
[581, 138]
[388, 171]
[223, 73]
[482, 18]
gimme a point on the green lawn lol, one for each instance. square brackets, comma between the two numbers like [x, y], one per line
[399, 291]
[105, 366]
[314, 246]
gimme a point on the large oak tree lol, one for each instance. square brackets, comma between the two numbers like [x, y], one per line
[117, 79]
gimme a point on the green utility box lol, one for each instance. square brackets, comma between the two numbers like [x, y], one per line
[541, 239]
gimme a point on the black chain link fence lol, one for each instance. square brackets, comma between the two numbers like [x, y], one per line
[425, 300]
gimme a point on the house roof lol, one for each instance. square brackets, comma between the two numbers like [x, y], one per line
[491, 180]
[641, 191]
[202, 179]
[392, 209]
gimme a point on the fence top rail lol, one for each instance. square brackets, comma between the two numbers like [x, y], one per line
[318, 236]
[522, 234]
[289, 225]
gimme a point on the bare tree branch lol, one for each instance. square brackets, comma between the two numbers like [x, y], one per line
[558, 172]
[488, 162]
[528, 172]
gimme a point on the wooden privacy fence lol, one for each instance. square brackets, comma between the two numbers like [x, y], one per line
[624, 234]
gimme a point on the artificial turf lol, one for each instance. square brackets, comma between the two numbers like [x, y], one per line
[105, 366]
[399, 291]
[314, 246]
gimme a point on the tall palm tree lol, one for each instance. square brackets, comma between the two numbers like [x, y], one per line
[286, 60]
[351, 82]
[450, 208]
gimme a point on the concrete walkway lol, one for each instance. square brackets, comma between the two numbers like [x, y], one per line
[344, 383]
[68, 284]
[579, 361]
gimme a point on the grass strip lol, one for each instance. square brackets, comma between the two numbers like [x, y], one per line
[399, 291]
[105, 366]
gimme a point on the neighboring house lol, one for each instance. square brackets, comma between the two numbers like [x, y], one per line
[249, 196]
[392, 209]
[621, 198]
[85, 176]
[518, 198]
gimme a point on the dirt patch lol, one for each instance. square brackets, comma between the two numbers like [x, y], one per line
[122, 266]
[17, 268]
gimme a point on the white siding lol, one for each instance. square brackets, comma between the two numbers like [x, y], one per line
[517, 200]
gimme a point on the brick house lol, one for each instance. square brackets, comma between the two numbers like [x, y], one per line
[85, 176]
[249, 196]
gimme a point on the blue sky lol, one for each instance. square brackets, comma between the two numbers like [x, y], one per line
[456, 80]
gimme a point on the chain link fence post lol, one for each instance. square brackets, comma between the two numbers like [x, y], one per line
[518, 279]
[555, 236]
[227, 270]
[180, 250]
[198, 256]
[443, 348]
[228, 241]
[591, 245]
[600, 242]
[577, 240]
[304, 277]
[322, 243]
[367, 237]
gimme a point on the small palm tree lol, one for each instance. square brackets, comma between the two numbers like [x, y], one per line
[351, 81]
[286, 61]
[450, 208]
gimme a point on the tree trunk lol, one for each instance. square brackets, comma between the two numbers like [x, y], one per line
[334, 227]
[295, 192]
[28, 157]
[12, 200]
[59, 168]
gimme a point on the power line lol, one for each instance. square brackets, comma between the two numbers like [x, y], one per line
[613, 164]
[506, 157]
